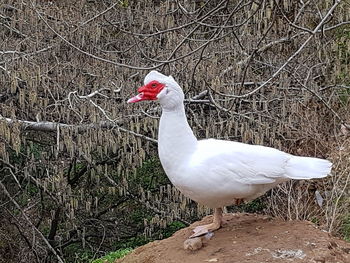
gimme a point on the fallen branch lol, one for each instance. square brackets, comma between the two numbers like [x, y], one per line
[48, 126]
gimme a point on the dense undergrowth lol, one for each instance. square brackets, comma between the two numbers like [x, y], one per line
[79, 172]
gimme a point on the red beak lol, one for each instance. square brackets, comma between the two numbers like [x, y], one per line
[138, 97]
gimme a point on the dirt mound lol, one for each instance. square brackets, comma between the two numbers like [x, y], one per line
[248, 238]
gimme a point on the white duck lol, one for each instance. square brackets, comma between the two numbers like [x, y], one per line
[217, 173]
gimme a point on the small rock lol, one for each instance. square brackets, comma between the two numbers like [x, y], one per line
[193, 243]
[288, 254]
[211, 260]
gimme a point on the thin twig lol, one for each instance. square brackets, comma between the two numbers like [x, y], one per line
[31, 224]
[330, 11]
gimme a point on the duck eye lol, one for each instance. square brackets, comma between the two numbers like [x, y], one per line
[154, 85]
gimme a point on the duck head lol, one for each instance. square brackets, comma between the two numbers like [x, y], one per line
[162, 88]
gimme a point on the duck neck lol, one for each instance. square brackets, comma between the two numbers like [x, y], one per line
[176, 140]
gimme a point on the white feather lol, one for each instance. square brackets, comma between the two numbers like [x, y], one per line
[307, 168]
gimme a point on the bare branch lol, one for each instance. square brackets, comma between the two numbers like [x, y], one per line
[49, 126]
[147, 204]
[85, 52]
[330, 11]
[31, 224]
[53, 126]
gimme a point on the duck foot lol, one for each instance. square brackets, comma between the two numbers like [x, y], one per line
[205, 229]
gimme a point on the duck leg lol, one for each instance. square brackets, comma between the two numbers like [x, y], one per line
[217, 222]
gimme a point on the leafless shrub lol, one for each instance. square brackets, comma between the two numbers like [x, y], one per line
[262, 72]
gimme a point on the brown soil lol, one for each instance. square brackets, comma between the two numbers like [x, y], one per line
[248, 238]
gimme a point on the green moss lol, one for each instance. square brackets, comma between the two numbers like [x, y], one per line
[112, 256]
[342, 55]
[75, 253]
[315, 220]
[132, 242]
[138, 216]
[35, 149]
[344, 95]
[125, 246]
[255, 206]
[342, 38]
[172, 228]
[345, 228]
[124, 4]
[151, 175]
